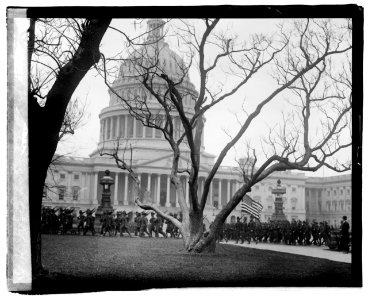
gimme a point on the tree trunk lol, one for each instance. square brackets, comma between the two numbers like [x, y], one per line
[192, 230]
[45, 124]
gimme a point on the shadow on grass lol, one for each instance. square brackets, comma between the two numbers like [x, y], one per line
[88, 264]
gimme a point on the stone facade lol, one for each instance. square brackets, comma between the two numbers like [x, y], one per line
[328, 198]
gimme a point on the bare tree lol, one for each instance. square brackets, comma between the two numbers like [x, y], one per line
[60, 52]
[308, 59]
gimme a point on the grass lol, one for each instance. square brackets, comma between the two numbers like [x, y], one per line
[86, 263]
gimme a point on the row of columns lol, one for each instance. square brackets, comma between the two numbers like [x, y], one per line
[117, 126]
[90, 182]
[184, 180]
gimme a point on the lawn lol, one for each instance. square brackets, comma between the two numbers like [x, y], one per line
[86, 263]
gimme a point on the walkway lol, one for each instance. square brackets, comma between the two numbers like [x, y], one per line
[313, 251]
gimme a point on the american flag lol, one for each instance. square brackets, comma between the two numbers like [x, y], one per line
[249, 206]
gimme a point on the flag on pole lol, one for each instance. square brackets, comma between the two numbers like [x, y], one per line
[251, 207]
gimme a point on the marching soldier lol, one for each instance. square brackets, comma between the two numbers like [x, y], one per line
[238, 229]
[124, 224]
[137, 221]
[81, 219]
[151, 226]
[143, 225]
[89, 223]
[159, 226]
[170, 227]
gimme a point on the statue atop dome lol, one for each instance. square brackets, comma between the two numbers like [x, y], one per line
[155, 30]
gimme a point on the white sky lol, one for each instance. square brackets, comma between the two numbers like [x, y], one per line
[93, 89]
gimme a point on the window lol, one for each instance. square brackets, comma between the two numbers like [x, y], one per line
[62, 176]
[75, 193]
[293, 189]
[76, 176]
[334, 192]
[328, 204]
[269, 207]
[61, 192]
[307, 193]
[342, 192]
[341, 205]
[328, 193]
[348, 191]
[334, 205]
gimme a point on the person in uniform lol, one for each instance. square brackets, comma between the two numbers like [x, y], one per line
[151, 227]
[89, 223]
[238, 229]
[169, 228]
[344, 242]
[143, 225]
[137, 221]
[81, 219]
[159, 226]
[124, 225]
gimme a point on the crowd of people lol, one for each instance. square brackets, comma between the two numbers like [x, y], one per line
[284, 232]
[64, 221]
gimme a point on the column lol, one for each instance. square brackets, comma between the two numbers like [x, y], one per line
[69, 185]
[187, 192]
[210, 194]
[149, 182]
[82, 188]
[134, 127]
[100, 130]
[88, 193]
[95, 198]
[149, 185]
[112, 128]
[143, 131]
[125, 131]
[158, 190]
[118, 126]
[126, 189]
[228, 190]
[167, 203]
[219, 193]
[177, 204]
[116, 185]
[106, 129]
[153, 133]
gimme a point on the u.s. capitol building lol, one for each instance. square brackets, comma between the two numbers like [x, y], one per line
[74, 181]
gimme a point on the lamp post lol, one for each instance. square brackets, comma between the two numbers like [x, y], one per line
[279, 191]
[105, 206]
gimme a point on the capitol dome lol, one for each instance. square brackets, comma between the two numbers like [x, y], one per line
[153, 58]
